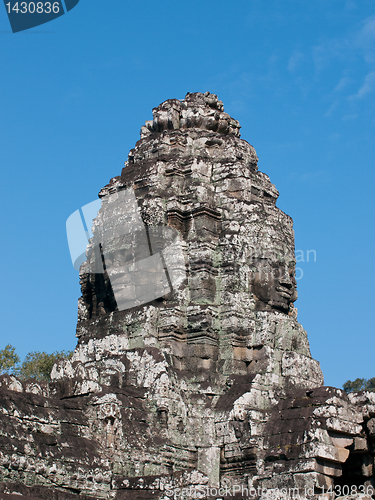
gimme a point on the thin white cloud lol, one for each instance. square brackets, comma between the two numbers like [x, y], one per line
[328, 50]
[355, 53]
[365, 39]
[353, 116]
[350, 5]
[360, 40]
[343, 82]
[334, 137]
[321, 176]
[294, 60]
[367, 87]
[332, 107]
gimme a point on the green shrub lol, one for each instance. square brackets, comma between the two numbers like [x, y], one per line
[35, 365]
[8, 359]
[359, 384]
[39, 364]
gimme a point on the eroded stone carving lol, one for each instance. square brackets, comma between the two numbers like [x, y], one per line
[211, 383]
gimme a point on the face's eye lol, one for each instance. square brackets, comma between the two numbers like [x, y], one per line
[277, 266]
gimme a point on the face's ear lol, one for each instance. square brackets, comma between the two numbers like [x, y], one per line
[261, 285]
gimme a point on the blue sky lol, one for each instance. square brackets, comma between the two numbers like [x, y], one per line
[300, 78]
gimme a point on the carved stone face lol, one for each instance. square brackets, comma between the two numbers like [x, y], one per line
[274, 285]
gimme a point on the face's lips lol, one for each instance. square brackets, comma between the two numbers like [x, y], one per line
[284, 292]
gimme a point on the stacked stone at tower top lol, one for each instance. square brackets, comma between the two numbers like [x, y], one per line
[197, 110]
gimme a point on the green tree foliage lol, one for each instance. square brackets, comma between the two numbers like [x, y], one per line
[39, 364]
[371, 384]
[359, 384]
[8, 359]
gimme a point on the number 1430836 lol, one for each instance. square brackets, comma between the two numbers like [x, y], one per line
[347, 490]
[33, 7]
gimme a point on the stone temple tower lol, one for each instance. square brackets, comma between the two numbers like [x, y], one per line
[233, 312]
[191, 373]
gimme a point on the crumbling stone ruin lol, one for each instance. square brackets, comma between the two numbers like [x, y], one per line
[206, 388]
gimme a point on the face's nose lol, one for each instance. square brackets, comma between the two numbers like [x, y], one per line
[285, 279]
